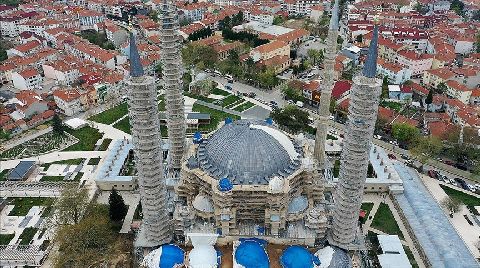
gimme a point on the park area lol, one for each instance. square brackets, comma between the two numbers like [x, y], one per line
[468, 200]
[111, 115]
[40, 145]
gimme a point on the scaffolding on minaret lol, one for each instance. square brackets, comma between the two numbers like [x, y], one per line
[146, 138]
[363, 109]
[172, 72]
[326, 88]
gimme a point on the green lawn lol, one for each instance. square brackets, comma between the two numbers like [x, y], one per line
[87, 137]
[104, 145]
[215, 116]
[78, 176]
[392, 105]
[52, 178]
[244, 106]
[385, 222]
[94, 161]
[27, 235]
[198, 97]
[76, 161]
[111, 115]
[24, 204]
[367, 207]
[229, 100]
[230, 106]
[410, 256]
[217, 91]
[123, 125]
[3, 174]
[331, 137]
[469, 200]
[6, 238]
[336, 168]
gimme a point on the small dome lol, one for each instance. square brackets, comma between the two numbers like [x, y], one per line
[251, 254]
[225, 185]
[249, 152]
[333, 257]
[298, 204]
[201, 76]
[203, 203]
[276, 184]
[166, 256]
[298, 257]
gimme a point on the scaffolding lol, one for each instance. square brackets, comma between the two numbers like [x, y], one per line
[143, 114]
[327, 86]
[170, 45]
[363, 109]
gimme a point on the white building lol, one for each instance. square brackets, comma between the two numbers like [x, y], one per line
[300, 7]
[394, 255]
[88, 18]
[27, 79]
[396, 73]
[68, 100]
[258, 16]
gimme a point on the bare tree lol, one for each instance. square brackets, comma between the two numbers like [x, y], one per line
[451, 205]
[70, 206]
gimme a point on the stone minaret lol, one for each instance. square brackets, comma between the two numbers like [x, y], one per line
[143, 113]
[170, 45]
[326, 88]
[362, 114]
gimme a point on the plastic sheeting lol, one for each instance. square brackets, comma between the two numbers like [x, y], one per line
[251, 253]
[228, 120]
[203, 254]
[298, 257]
[225, 185]
[166, 256]
[298, 204]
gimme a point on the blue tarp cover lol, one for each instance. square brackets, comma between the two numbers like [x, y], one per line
[225, 185]
[228, 120]
[171, 255]
[197, 135]
[298, 257]
[269, 121]
[251, 253]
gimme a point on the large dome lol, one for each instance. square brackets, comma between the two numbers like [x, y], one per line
[249, 152]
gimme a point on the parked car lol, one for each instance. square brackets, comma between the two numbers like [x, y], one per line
[448, 162]
[461, 166]
[273, 104]
[392, 156]
[432, 173]
[299, 104]
[404, 156]
[290, 102]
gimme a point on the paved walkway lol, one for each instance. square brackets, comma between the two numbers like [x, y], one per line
[109, 131]
[407, 240]
[440, 242]
[470, 234]
[52, 157]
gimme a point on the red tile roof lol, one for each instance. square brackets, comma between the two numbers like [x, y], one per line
[340, 88]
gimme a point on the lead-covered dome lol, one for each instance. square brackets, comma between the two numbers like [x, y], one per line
[249, 152]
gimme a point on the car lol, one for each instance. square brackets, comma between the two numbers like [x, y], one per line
[290, 102]
[217, 72]
[404, 156]
[299, 104]
[448, 162]
[273, 103]
[432, 173]
[461, 166]
[230, 80]
[392, 156]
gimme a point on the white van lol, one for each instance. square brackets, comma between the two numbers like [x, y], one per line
[299, 104]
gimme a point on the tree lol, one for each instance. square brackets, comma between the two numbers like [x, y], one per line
[359, 38]
[315, 55]
[277, 20]
[267, 78]
[70, 206]
[404, 132]
[339, 40]
[429, 99]
[57, 125]
[426, 148]
[195, 54]
[457, 6]
[89, 243]
[441, 88]
[291, 117]
[117, 209]
[385, 88]
[476, 15]
[158, 70]
[451, 205]
[153, 15]
[292, 93]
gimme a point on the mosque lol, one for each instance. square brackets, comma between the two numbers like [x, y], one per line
[248, 183]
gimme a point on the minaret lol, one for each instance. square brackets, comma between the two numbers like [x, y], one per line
[143, 114]
[362, 114]
[170, 45]
[326, 88]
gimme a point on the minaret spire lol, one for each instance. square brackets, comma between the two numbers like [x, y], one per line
[326, 88]
[172, 82]
[362, 115]
[143, 115]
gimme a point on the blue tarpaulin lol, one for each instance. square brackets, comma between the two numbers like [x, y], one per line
[225, 185]
[171, 256]
[251, 253]
[269, 121]
[228, 120]
[197, 137]
[298, 257]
